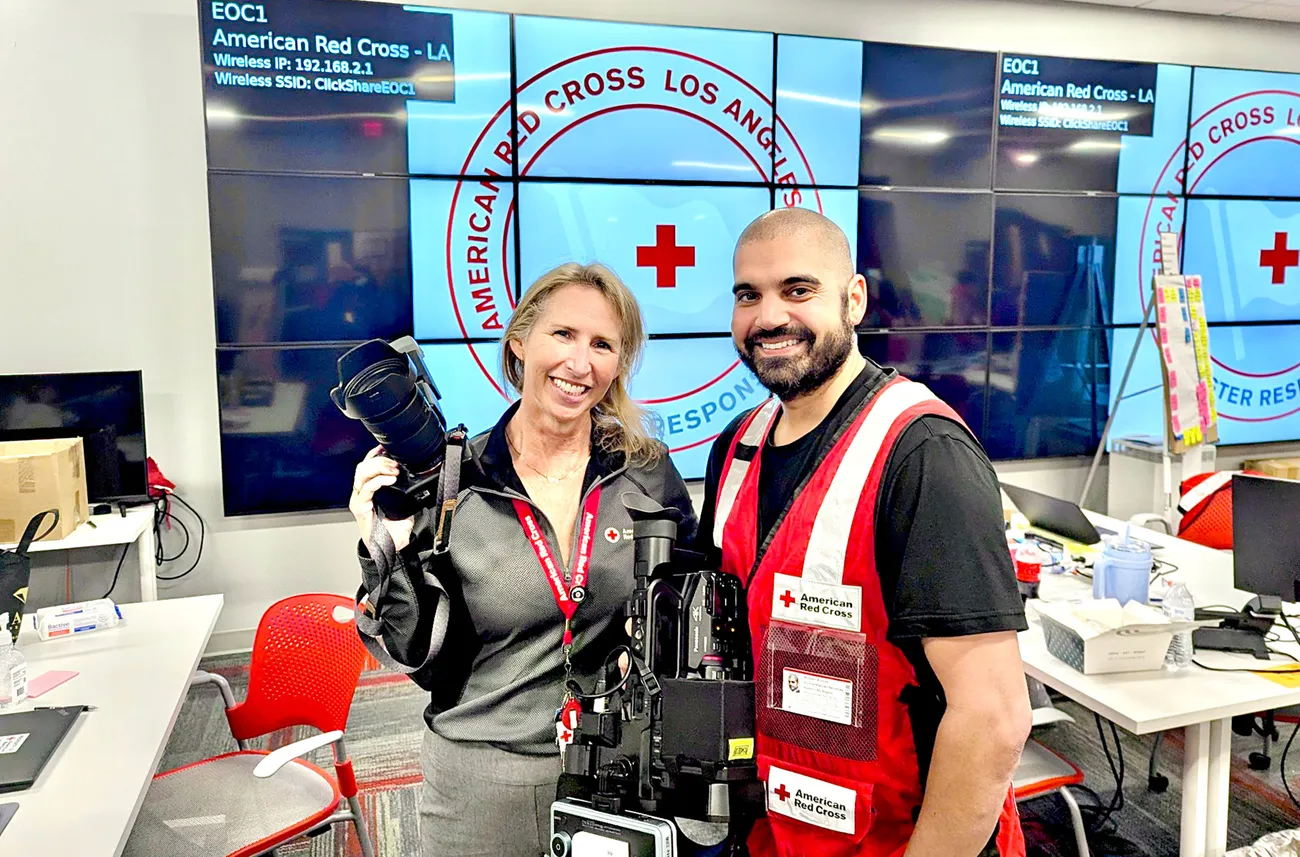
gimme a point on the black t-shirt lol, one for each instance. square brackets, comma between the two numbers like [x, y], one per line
[941, 554]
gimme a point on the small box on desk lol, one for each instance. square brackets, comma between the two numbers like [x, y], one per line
[1097, 637]
[36, 475]
[1281, 468]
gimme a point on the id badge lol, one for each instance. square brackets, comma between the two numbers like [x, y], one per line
[821, 696]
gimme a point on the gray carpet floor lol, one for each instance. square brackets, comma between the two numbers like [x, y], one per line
[386, 724]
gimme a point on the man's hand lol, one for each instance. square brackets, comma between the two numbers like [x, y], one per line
[374, 472]
[978, 745]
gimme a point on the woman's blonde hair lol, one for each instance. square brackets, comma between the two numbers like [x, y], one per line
[620, 424]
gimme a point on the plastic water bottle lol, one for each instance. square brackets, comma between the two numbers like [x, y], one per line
[1178, 606]
[13, 670]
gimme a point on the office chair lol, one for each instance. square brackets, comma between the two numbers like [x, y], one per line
[307, 658]
[1042, 771]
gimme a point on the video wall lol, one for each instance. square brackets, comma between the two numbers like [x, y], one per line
[379, 170]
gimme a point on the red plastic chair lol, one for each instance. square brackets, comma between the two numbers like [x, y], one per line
[307, 658]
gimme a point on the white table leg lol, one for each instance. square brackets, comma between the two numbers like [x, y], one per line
[148, 571]
[1216, 812]
[1196, 789]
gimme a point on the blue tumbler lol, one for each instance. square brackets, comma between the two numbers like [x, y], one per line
[1123, 571]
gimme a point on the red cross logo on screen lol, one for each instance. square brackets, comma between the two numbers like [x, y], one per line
[665, 256]
[1279, 258]
[787, 599]
[782, 792]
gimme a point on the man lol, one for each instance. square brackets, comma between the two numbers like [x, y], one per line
[865, 521]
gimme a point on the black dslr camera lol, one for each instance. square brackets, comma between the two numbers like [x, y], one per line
[389, 388]
[662, 762]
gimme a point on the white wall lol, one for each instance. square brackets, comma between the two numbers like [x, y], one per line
[104, 233]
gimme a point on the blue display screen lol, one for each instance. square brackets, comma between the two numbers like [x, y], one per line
[635, 101]
[1248, 255]
[1256, 372]
[693, 388]
[818, 108]
[671, 244]
[462, 258]
[1140, 220]
[1245, 134]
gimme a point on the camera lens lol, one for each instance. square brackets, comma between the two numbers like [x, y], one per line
[560, 843]
[378, 387]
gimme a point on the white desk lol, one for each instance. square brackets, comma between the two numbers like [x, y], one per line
[137, 676]
[1197, 700]
[114, 529]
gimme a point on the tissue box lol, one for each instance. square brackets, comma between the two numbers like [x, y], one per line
[1097, 637]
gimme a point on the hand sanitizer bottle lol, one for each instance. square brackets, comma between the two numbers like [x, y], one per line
[13, 669]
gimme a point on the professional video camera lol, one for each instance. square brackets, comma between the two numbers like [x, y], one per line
[389, 388]
[662, 760]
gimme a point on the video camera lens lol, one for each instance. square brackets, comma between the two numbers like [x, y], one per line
[394, 400]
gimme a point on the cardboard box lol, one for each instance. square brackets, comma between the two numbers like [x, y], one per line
[1098, 637]
[1282, 468]
[36, 475]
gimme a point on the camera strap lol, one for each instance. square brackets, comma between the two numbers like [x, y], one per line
[568, 590]
[448, 488]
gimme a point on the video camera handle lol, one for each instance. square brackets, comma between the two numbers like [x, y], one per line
[654, 533]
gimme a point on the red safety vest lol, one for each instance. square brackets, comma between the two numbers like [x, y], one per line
[835, 743]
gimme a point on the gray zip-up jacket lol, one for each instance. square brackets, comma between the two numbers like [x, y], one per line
[499, 677]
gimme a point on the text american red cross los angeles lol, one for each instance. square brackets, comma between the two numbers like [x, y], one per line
[665, 256]
[1279, 258]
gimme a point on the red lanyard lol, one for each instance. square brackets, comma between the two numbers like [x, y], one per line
[567, 598]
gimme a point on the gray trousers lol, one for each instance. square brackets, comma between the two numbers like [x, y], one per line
[478, 801]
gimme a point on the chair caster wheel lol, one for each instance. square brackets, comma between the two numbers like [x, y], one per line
[1157, 783]
[1260, 762]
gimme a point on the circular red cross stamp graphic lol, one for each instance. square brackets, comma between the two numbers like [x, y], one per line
[1247, 391]
[572, 97]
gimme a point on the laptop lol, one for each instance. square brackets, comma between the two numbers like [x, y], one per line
[1055, 515]
[27, 741]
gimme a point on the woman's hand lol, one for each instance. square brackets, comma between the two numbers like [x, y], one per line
[374, 472]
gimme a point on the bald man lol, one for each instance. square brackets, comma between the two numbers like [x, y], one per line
[866, 523]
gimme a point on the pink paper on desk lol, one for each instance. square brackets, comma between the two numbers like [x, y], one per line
[47, 681]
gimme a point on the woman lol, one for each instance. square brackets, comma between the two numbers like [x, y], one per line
[572, 445]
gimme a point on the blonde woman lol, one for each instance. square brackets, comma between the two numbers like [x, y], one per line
[556, 464]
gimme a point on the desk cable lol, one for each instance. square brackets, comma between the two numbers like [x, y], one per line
[163, 516]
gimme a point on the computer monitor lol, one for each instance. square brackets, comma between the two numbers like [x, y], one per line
[104, 409]
[1265, 537]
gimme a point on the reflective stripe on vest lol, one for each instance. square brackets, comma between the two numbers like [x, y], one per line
[736, 469]
[828, 542]
[1201, 492]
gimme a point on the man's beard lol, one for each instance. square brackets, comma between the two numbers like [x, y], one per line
[798, 375]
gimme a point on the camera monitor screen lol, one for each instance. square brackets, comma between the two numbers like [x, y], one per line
[104, 409]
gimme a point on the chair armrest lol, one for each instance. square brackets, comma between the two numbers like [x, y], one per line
[1047, 716]
[204, 677]
[277, 759]
[1148, 518]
